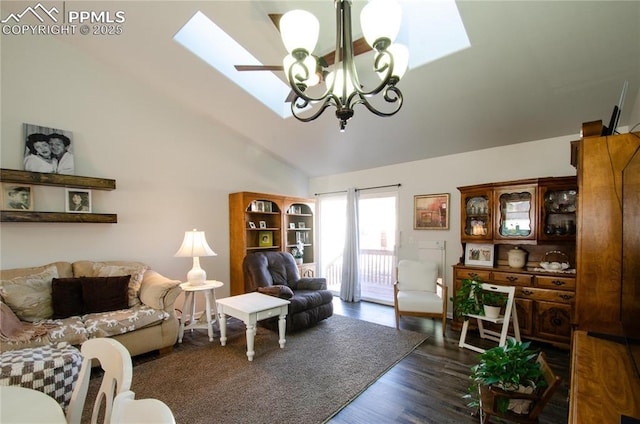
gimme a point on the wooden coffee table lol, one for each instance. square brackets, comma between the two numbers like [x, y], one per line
[251, 308]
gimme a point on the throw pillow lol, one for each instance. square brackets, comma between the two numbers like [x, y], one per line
[29, 297]
[66, 296]
[136, 273]
[104, 294]
[283, 292]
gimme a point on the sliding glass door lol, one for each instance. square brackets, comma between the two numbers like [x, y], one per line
[378, 228]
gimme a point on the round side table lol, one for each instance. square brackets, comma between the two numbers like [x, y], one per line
[208, 288]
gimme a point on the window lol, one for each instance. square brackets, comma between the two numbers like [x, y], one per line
[378, 229]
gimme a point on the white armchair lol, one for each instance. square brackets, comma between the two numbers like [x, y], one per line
[419, 292]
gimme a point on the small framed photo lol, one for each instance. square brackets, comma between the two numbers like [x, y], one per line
[479, 254]
[17, 197]
[252, 224]
[301, 225]
[267, 207]
[259, 206]
[431, 212]
[292, 225]
[263, 224]
[78, 200]
[265, 239]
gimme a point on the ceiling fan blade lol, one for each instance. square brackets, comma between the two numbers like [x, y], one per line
[275, 18]
[258, 67]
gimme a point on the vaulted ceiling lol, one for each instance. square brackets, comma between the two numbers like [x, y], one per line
[534, 70]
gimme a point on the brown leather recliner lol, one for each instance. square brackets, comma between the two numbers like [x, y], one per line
[311, 301]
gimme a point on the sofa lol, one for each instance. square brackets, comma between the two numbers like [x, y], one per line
[74, 302]
[276, 273]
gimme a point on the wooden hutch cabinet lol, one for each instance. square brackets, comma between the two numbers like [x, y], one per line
[520, 212]
[261, 222]
[604, 385]
[539, 215]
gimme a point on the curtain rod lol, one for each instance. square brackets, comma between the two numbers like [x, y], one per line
[358, 189]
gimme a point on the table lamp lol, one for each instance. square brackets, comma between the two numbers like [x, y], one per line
[195, 245]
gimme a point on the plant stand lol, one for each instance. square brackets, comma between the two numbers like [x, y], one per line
[509, 314]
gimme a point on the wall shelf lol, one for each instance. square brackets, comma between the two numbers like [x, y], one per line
[56, 180]
[27, 216]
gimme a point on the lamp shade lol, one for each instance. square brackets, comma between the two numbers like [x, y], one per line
[299, 29]
[194, 245]
[380, 19]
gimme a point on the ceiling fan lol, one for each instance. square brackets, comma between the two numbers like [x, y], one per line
[360, 46]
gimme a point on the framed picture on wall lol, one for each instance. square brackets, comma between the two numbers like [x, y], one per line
[479, 254]
[78, 200]
[431, 212]
[48, 150]
[17, 197]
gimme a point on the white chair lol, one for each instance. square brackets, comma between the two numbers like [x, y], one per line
[128, 410]
[509, 314]
[115, 360]
[419, 292]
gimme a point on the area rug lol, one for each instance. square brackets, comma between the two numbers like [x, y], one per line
[319, 371]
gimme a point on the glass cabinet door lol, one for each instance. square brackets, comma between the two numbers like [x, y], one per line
[558, 213]
[476, 215]
[515, 213]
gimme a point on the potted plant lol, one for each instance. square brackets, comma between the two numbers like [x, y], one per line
[492, 303]
[467, 299]
[298, 252]
[512, 367]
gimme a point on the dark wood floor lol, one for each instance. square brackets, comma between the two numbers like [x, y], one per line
[428, 384]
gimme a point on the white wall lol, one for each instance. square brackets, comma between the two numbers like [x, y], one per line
[543, 158]
[173, 170]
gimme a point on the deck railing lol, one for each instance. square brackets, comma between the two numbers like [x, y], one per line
[377, 271]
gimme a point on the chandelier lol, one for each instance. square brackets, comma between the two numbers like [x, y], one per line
[380, 21]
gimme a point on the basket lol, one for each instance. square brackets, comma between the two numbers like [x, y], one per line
[555, 260]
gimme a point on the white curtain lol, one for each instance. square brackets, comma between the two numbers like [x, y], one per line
[350, 287]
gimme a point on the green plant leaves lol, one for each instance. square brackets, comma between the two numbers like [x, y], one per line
[508, 366]
[466, 300]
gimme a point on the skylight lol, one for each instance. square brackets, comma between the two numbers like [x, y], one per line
[205, 39]
[431, 30]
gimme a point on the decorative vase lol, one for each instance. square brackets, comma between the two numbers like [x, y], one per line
[517, 257]
[298, 261]
[491, 311]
